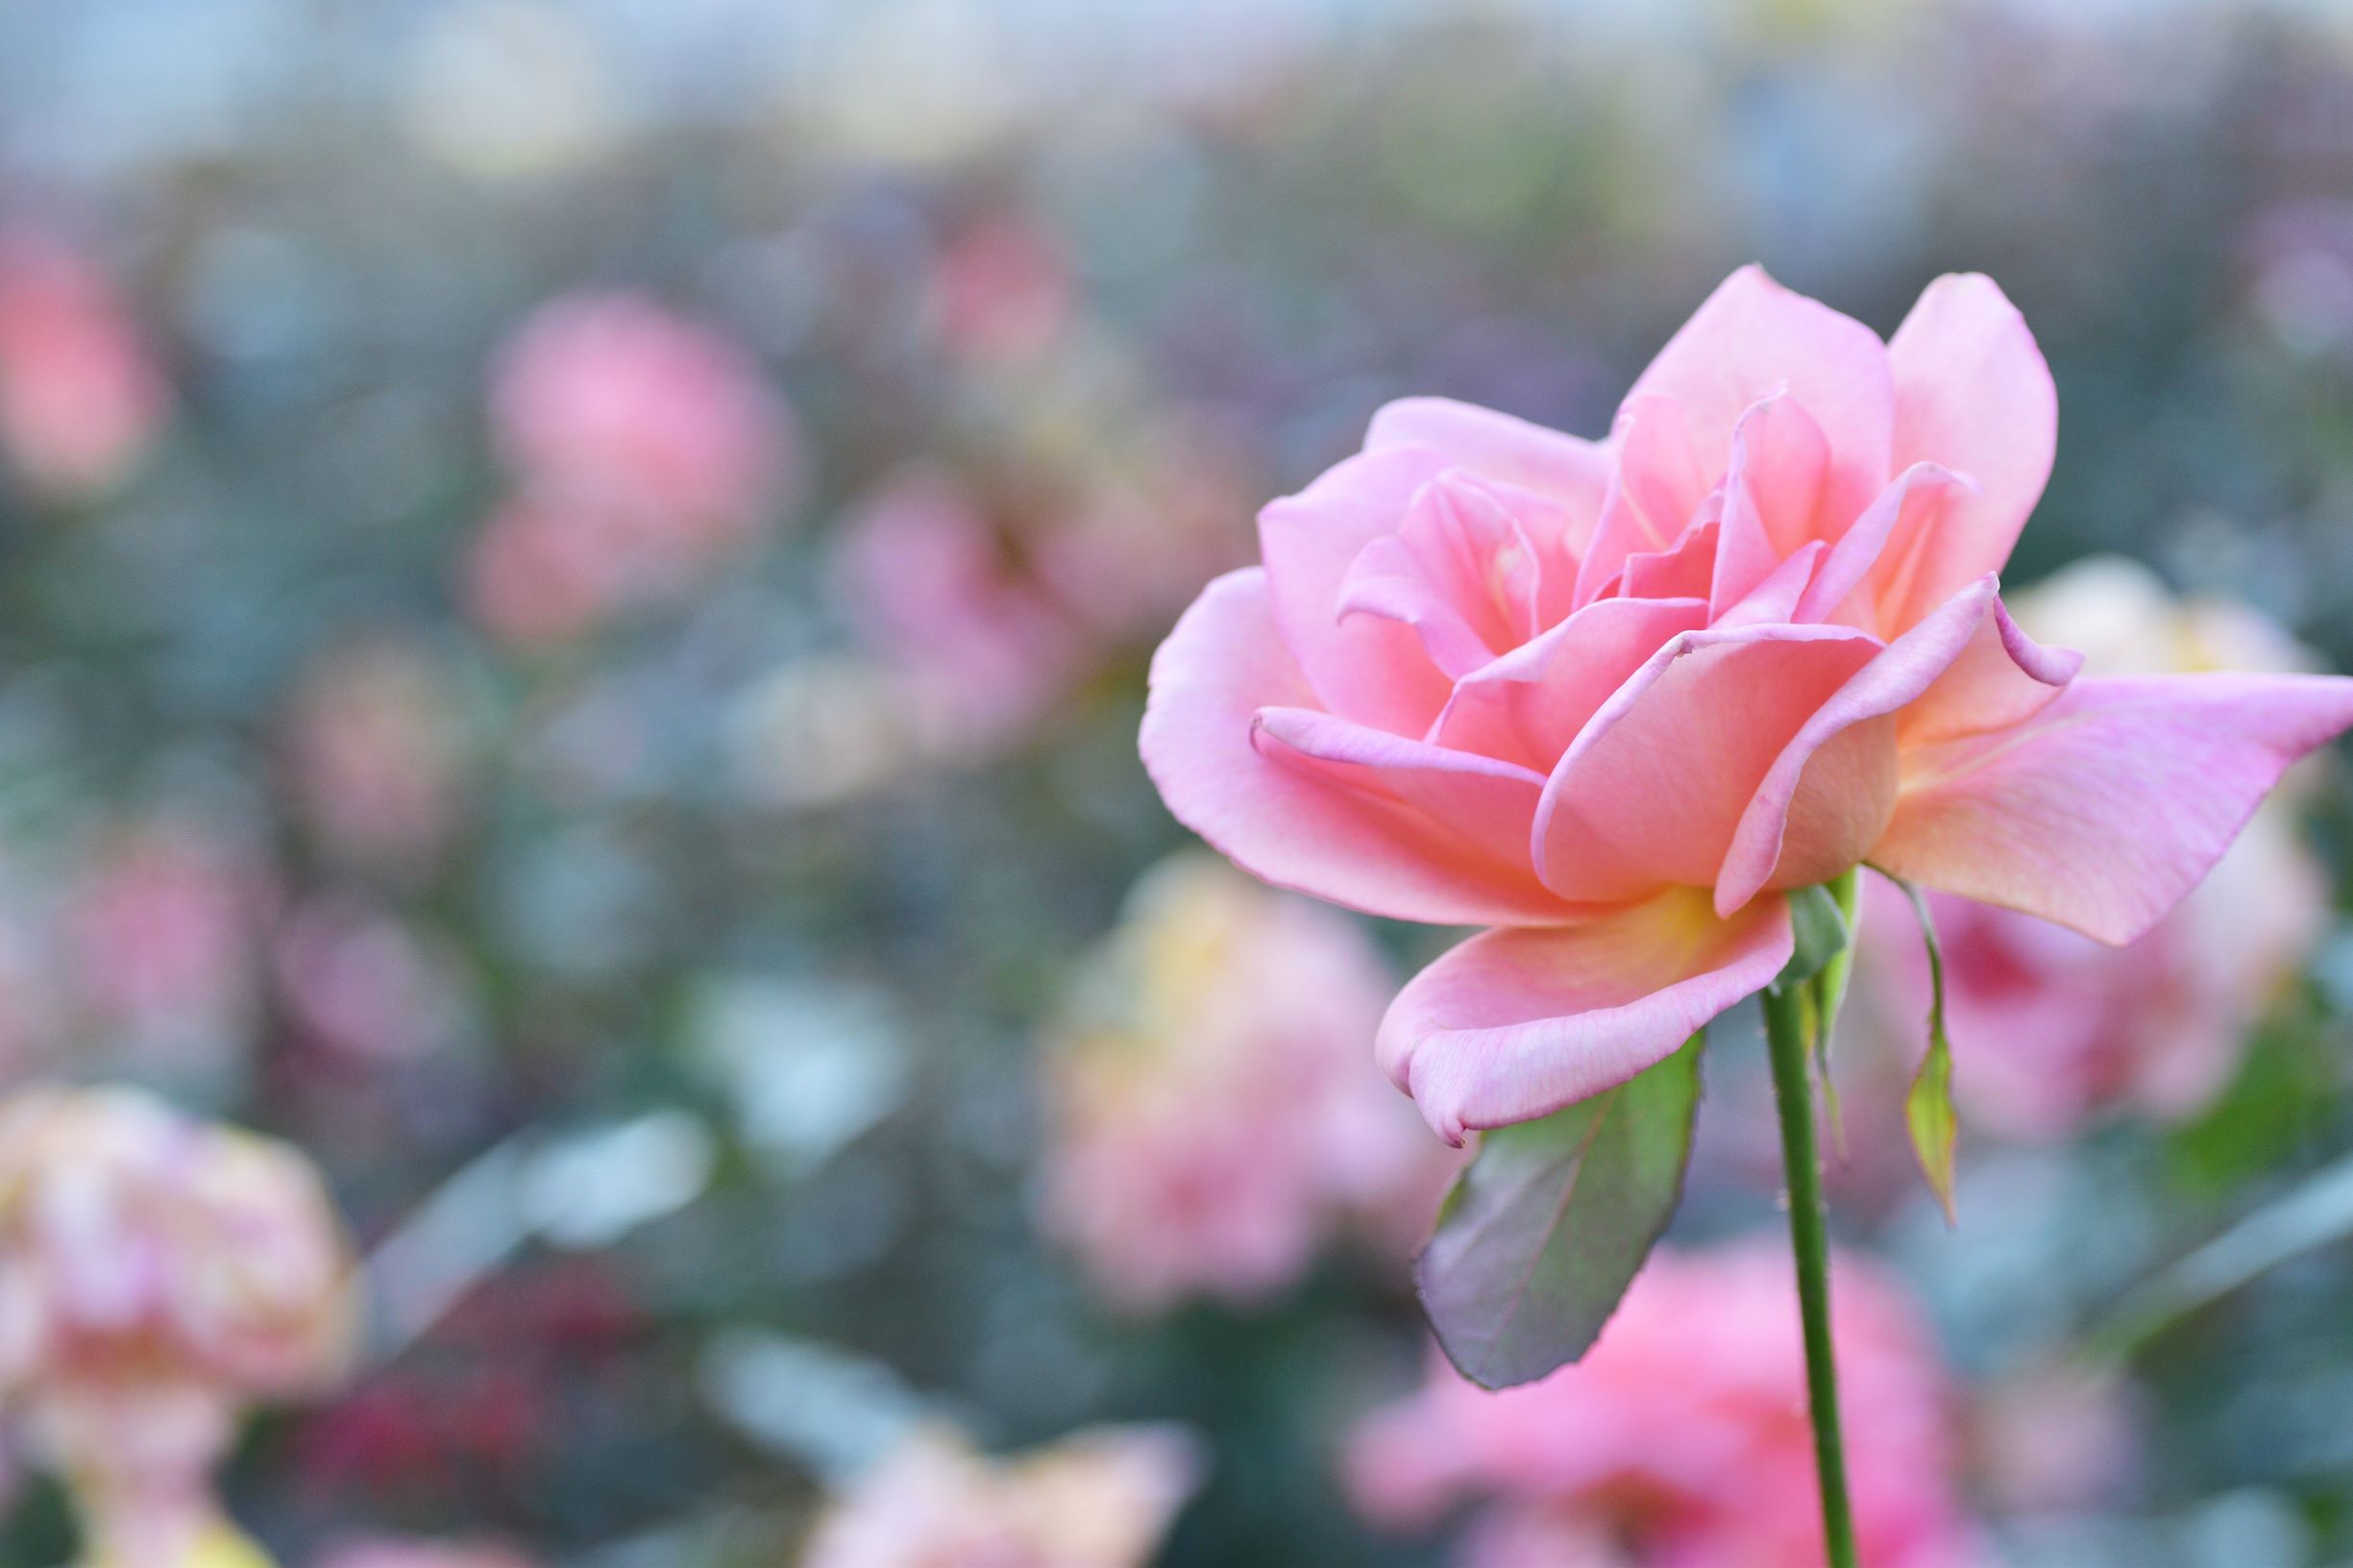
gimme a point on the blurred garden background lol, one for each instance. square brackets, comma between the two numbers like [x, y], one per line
[574, 588]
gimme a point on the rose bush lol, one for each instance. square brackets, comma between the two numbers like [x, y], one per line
[1616, 698]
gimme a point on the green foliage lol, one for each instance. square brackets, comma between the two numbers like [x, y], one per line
[1548, 1226]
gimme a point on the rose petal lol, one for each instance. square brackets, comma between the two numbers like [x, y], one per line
[1772, 494]
[1682, 571]
[1463, 569]
[1913, 504]
[1529, 705]
[1829, 793]
[1654, 488]
[1751, 336]
[1488, 803]
[2002, 679]
[1973, 394]
[1362, 667]
[1515, 1025]
[1653, 788]
[1776, 599]
[2109, 805]
[1285, 823]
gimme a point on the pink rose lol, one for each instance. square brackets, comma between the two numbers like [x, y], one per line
[1682, 1435]
[645, 448]
[375, 753]
[983, 650]
[155, 1275]
[135, 1243]
[364, 983]
[157, 933]
[80, 398]
[610, 402]
[1614, 699]
[1213, 1120]
[2049, 1027]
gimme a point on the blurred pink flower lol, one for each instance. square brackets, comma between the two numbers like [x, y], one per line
[1101, 1498]
[158, 930]
[1001, 291]
[983, 650]
[1616, 700]
[80, 398]
[361, 982]
[1213, 1117]
[374, 751]
[1145, 541]
[2049, 1027]
[155, 1275]
[2052, 1438]
[397, 1554]
[539, 574]
[646, 449]
[1680, 1440]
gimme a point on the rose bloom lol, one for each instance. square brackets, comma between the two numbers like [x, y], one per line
[1213, 1118]
[983, 650]
[1616, 698]
[158, 930]
[80, 398]
[1682, 1439]
[2049, 1027]
[364, 983]
[374, 749]
[646, 448]
[155, 1275]
[1001, 291]
[1101, 1498]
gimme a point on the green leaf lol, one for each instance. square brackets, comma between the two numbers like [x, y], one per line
[1927, 1110]
[1821, 933]
[1548, 1224]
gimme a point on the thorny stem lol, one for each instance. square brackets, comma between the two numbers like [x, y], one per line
[1785, 1036]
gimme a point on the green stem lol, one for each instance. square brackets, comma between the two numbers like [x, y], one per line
[1785, 1038]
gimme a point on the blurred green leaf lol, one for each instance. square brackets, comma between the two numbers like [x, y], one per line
[1544, 1230]
[1927, 1108]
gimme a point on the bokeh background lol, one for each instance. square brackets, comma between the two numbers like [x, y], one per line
[575, 587]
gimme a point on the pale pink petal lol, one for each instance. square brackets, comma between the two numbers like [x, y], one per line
[1515, 1025]
[1653, 788]
[1530, 704]
[1772, 494]
[1831, 791]
[2002, 679]
[1919, 498]
[1285, 823]
[1490, 803]
[1463, 569]
[1682, 571]
[2109, 805]
[1753, 336]
[1388, 583]
[1973, 394]
[1570, 470]
[1654, 490]
[1363, 667]
[1776, 599]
